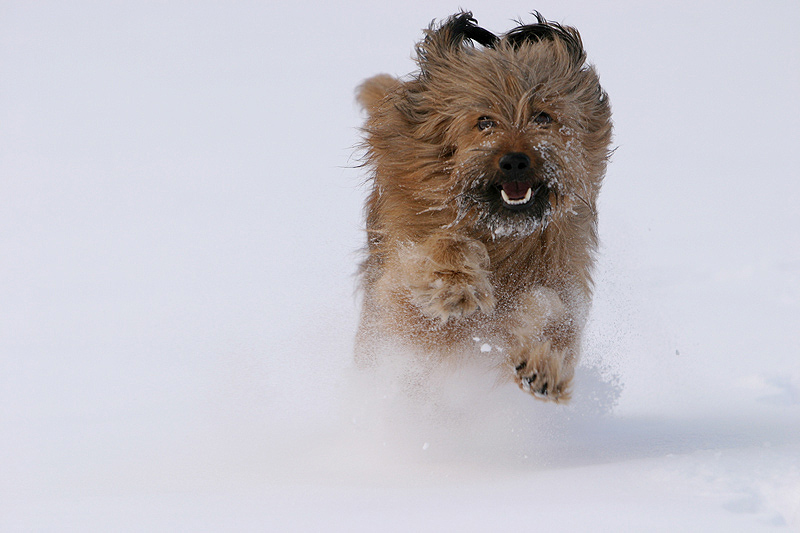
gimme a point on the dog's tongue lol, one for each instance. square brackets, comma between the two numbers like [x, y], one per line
[516, 190]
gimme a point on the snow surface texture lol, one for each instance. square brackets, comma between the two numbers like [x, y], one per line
[179, 222]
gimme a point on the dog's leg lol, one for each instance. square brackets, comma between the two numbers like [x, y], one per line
[544, 346]
[447, 277]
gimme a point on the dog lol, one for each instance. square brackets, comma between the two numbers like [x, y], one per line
[481, 217]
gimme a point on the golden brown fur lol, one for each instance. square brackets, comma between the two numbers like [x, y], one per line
[450, 258]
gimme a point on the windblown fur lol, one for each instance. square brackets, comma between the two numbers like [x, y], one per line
[481, 219]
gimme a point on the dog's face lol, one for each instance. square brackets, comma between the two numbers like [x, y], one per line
[512, 171]
[506, 135]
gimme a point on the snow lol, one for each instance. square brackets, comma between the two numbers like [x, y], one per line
[176, 329]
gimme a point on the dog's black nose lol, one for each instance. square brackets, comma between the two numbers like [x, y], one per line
[514, 163]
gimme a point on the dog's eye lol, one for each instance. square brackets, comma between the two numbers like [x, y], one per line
[485, 123]
[543, 118]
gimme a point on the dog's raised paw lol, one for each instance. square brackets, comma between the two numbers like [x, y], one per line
[541, 374]
[454, 294]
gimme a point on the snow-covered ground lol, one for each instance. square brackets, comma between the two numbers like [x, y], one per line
[179, 226]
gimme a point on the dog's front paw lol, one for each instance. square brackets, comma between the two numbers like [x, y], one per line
[447, 277]
[446, 294]
[543, 372]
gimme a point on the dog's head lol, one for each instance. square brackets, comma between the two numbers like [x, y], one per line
[502, 132]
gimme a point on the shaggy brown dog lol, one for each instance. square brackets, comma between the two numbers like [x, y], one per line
[481, 219]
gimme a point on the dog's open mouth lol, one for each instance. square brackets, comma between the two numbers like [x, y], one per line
[518, 195]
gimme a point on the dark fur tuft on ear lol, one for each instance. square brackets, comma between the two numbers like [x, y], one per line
[550, 31]
[464, 26]
[452, 34]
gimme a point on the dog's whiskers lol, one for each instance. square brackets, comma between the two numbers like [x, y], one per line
[432, 209]
[586, 203]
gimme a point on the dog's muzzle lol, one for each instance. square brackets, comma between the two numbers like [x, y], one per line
[519, 187]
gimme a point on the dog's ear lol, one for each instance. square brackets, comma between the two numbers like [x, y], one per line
[463, 26]
[549, 31]
[457, 31]
[373, 90]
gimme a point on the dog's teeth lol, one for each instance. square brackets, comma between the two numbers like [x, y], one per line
[509, 201]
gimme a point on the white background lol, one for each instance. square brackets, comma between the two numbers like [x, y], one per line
[180, 219]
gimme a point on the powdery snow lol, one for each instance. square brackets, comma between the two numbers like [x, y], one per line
[179, 226]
